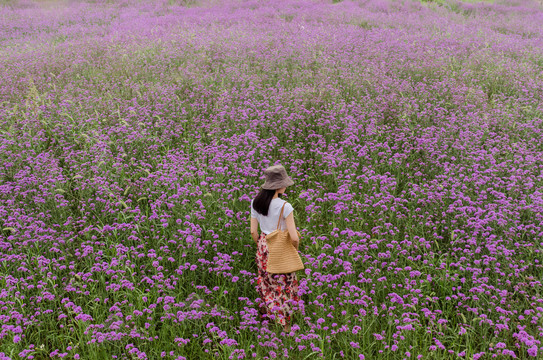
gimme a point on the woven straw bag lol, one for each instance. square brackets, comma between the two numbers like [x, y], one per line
[283, 257]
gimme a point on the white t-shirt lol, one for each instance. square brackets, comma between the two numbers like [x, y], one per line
[269, 223]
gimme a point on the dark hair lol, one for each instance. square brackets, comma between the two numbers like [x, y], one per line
[262, 201]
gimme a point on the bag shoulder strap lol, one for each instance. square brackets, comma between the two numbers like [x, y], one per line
[280, 215]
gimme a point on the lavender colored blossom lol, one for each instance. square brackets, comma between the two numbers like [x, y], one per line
[133, 136]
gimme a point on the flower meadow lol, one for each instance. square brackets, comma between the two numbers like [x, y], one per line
[134, 134]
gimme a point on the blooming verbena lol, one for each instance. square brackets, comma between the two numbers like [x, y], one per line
[134, 134]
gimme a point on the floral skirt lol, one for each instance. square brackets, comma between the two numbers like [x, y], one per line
[279, 292]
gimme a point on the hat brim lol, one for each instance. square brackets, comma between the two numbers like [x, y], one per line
[285, 183]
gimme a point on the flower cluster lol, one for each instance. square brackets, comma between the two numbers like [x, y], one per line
[133, 136]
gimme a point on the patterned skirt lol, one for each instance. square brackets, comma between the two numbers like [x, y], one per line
[279, 292]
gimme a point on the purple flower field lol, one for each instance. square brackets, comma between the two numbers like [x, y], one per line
[133, 135]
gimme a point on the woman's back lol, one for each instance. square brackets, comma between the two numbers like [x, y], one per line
[269, 223]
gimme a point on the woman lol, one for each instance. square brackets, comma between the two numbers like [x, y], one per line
[277, 291]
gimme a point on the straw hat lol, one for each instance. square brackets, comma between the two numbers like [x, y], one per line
[276, 178]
